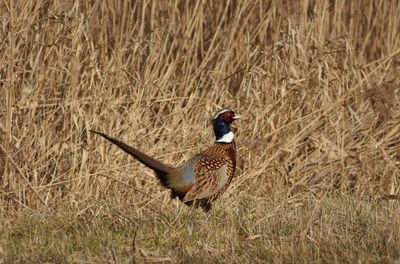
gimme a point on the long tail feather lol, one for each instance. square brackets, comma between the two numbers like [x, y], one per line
[158, 167]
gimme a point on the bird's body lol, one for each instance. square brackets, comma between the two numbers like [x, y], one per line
[203, 178]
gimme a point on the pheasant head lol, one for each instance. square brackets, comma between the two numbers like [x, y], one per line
[221, 124]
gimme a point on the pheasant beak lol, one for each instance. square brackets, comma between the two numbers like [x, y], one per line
[236, 117]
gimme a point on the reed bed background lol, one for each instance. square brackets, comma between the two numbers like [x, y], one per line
[317, 84]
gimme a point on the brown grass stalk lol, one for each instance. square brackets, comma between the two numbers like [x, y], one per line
[317, 84]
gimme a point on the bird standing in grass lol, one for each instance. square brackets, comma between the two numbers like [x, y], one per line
[202, 179]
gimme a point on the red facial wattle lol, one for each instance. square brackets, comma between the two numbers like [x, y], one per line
[227, 117]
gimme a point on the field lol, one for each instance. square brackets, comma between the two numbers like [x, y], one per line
[316, 82]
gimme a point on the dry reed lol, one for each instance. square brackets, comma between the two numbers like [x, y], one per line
[317, 83]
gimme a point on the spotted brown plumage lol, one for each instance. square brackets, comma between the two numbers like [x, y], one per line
[203, 178]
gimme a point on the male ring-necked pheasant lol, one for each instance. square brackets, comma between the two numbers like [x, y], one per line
[202, 179]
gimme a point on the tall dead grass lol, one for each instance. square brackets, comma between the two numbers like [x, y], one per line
[317, 83]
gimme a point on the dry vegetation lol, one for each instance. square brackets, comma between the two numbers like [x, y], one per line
[317, 83]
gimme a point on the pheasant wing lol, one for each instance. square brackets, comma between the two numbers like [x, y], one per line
[211, 176]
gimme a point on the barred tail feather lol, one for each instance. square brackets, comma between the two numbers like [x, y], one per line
[162, 170]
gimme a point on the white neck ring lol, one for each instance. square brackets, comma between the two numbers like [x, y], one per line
[227, 138]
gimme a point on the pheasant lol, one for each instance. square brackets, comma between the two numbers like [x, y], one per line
[203, 178]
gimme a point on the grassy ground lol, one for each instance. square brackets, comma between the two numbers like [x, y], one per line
[300, 229]
[317, 84]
